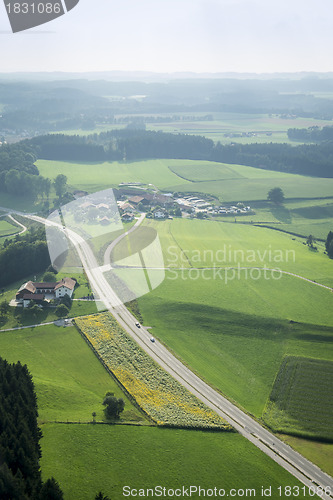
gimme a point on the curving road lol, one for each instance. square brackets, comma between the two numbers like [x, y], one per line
[305, 471]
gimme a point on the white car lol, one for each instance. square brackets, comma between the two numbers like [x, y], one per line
[152, 339]
[138, 324]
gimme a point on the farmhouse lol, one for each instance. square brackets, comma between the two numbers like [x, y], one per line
[38, 292]
[127, 217]
[159, 214]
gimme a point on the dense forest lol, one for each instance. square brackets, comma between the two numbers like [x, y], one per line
[128, 144]
[20, 452]
[22, 256]
[18, 172]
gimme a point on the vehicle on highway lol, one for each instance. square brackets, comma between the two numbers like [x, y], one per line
[138, 324]
[152, 339]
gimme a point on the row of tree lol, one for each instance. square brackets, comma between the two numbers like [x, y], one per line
[118, 145]
[20, 452]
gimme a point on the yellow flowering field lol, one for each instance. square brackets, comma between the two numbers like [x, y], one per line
[162, 397]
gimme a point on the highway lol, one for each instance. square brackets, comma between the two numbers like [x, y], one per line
[305, 471]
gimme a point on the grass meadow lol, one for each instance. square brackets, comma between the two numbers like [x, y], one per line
[86, 459]
[236, 332]
[203, 244]
[227, 182]
[305, 211]
[247, 323]
[69, 380]
[6, 229]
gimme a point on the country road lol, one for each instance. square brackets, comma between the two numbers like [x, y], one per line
[306, 472]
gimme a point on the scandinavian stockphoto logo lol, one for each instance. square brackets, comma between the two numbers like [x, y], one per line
[121, 265]
[25, 15]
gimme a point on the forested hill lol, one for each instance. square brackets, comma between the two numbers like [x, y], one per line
[118, 145]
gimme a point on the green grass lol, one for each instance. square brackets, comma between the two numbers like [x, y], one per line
[242, 183]
[237, 352]
[23, 203]
[235, 332]
[88, 459]
[69, 380]
[302, 217]
[318, 452]
[93, 177]
[301, 401]
[199, 243]
[6, 228]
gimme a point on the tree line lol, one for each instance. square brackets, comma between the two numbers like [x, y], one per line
[20, 451]
[118, 145]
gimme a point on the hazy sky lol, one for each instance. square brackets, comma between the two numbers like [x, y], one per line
[177, 35]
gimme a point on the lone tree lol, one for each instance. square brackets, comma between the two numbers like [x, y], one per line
[329, 244]
[60, 185]
[113, 405]
[61, 311]
[276, 195]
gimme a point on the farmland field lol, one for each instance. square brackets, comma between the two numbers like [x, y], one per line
[247, 184]
[244, 322]
[245, 128]
[86, 459]
[199, 244]
[69, 380]
[236, 335]
[301, 401]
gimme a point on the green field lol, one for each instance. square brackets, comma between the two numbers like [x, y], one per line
[301, 401]
[235, 182]
[86, 459]
[203, 244]
[69, 380]
[6, 228]
[243, 320]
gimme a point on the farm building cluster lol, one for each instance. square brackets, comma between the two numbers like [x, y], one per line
[162, 206]
[40, 293]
